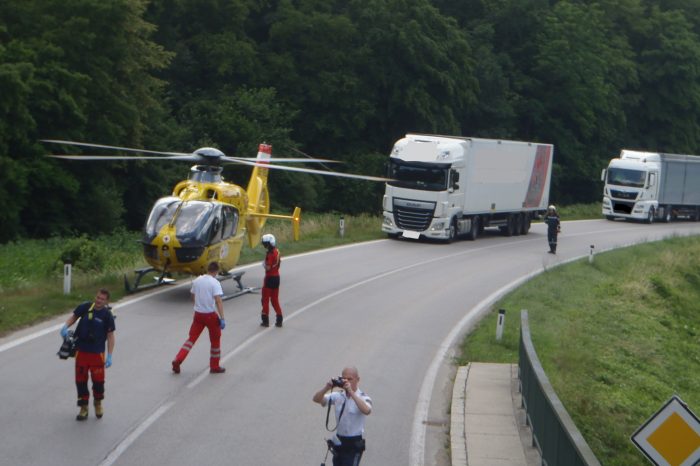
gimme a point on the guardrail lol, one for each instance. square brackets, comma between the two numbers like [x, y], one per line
[554, 434]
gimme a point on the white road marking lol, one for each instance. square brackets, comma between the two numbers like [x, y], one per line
[135, 434]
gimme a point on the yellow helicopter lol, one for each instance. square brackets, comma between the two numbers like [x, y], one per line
[205, 218]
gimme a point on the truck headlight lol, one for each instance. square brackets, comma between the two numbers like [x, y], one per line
[438, 226]
[388, 222]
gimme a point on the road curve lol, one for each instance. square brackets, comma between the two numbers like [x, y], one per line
[393, 308]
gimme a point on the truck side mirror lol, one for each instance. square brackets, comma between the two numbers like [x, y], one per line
[602, 175]
[652, 179]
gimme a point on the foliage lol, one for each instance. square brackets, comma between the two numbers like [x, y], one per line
[339, 79]
[616, 338]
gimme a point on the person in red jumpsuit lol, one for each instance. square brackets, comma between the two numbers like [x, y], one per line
[206, 294]
[271, 285]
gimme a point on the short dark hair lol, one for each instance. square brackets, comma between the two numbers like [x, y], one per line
[104, 291]
[213, 267]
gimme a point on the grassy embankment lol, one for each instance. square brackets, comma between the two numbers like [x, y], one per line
[617, 338]
[31, 271]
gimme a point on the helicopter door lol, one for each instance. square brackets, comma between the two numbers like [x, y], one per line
[230, 222]
[216, 226]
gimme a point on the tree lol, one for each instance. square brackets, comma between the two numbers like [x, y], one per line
[579, 75]
[666, 116]
[81, 70]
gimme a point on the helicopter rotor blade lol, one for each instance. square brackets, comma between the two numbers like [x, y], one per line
[185, 157]
[102, 146]
[308, 156]
[279, 160]
[316, 172]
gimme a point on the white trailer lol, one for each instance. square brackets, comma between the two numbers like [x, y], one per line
[652, 186]
[447, 186]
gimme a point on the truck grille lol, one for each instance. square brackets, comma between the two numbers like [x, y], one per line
[622, 194]
[622, 207]
[413, 215]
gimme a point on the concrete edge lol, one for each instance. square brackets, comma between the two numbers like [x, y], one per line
[458, 438]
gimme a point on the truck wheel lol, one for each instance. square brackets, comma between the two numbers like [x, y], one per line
[453, 231]
[474, 231]
[517, 224]
[610, 217]
[526, 224]
[509, 228]
[650, 217]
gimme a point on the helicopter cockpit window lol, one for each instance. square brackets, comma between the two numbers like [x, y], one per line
[230, 218]
[194, 222]
[161, 214]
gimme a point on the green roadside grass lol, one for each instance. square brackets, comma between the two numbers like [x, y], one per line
[617, 338]
[31, 271]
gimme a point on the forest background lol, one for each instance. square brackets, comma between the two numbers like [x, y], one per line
[334, 78]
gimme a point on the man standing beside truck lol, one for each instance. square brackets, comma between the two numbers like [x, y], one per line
[551, 218]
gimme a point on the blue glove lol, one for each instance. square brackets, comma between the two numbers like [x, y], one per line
[64, 331]
[222, 324]
[108, 362]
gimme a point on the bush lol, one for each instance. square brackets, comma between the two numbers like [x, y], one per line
[84, 254]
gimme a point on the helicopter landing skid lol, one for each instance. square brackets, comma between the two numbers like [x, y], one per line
[140, 273]
[241, 289]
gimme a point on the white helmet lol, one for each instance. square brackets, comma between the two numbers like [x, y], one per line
[551, 207]
[269, 239]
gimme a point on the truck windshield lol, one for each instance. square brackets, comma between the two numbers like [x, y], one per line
[427, 177]
[626, 177]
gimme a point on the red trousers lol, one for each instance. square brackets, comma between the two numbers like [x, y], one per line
[271, 295]
[89, 365]
[210, 320]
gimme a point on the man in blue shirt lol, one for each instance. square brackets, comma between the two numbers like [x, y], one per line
[96, 326]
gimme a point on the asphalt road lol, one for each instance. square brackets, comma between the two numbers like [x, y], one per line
[394, 309]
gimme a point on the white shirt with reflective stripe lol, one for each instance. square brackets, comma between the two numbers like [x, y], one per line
[352, 422]
[205, 288]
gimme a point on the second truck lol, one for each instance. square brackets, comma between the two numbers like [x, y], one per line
[444, 187]
[650, 186]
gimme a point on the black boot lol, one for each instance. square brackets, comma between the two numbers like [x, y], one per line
[278, 322]
[265, 320]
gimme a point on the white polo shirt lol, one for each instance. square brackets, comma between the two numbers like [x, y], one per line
[205, 288]
[352, 422]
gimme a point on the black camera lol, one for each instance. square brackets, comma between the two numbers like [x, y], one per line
[67, 349]
[338, 382]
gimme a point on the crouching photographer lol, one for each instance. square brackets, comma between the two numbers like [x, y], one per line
[352, 406]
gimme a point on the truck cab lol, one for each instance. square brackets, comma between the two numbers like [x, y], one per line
[632, 186]
[424, 196]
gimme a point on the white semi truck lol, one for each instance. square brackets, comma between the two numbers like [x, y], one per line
[444, 187]
[650, 186]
